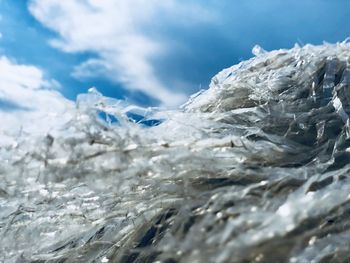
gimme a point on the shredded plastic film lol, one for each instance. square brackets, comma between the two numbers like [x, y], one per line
[254, 169]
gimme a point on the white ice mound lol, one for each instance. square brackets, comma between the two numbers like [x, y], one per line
[255, 169]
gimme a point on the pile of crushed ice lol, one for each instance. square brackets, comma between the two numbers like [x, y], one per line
[255, 169]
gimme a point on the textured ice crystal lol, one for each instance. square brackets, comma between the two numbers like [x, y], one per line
[254, 169]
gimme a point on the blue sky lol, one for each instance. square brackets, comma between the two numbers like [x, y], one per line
[154, 52]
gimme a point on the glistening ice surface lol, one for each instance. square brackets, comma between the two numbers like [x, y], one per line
[255, 169]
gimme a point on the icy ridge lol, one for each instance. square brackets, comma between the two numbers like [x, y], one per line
[254, 169]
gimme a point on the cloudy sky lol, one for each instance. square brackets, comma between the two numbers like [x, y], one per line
[148, 52]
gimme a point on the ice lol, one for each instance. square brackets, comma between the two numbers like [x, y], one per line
[254, 169]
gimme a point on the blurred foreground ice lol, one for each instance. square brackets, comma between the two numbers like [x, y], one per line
[255, 169]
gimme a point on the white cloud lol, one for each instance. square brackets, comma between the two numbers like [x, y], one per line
[40, 107]
[115, 31]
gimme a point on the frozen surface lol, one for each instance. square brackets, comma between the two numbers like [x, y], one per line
[255, 169]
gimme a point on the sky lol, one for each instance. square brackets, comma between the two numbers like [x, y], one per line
[146, 52]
